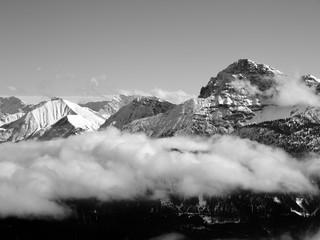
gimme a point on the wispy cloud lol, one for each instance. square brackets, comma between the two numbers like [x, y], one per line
[113, 165]
[176, 97]
[96, 80]
[12, 88]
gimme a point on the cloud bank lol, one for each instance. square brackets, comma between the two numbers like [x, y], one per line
[112, 165]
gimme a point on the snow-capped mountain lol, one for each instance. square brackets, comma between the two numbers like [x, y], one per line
[240, 100]
[229, 99]
[109, 107]
[140, 107]
[43, 119]
[242, 79]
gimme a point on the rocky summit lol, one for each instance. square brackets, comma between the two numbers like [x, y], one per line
[140, 107]
[244, 77]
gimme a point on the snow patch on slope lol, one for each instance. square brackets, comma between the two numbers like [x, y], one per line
[37, 121]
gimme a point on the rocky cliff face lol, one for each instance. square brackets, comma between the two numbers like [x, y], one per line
[140, 107]
[242, 79]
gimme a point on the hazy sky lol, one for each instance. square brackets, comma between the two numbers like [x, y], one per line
[77, 47]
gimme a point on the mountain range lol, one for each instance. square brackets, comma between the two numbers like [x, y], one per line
[246, 99]
[241, 100]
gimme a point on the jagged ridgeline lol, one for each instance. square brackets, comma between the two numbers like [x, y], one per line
[244, 99]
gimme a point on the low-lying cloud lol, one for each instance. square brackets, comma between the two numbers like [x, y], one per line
[286, 91]
[112, 165]
[293, 91]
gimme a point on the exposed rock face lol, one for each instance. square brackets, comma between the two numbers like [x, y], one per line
[243, 78]
[195, 116]
[109, 107]
[140, 107]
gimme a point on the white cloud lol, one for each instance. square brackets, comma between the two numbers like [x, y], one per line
[176, 97]
[287, 91]
[113, 165]
[293, 91]
[94, 81]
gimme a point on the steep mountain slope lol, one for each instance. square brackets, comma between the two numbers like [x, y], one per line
[109, 107]
[36, 122]
[140, 107]
[297, 134]
[195, 116]
[243, 78]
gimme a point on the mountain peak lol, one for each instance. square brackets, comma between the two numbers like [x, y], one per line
[250, 67]
[261, 76]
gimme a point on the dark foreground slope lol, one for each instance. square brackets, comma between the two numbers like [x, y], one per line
[237, 216]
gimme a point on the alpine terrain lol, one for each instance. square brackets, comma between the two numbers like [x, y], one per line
[244, 100]
[54, 118]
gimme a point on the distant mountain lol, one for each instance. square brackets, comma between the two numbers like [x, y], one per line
[11, 109]
[109, 107]
[140, 107]
[42, 120]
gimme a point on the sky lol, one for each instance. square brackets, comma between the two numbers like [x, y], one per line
[102, 47]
